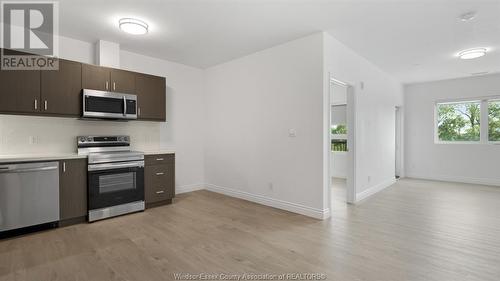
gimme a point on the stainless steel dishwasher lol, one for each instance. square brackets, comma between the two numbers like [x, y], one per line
[29, 194]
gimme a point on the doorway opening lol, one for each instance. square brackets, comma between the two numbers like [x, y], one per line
[341, 130]
[398, 142]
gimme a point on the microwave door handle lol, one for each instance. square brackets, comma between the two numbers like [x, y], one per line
[124, 106]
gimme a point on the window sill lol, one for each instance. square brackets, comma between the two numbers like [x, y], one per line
[339, 136]
[468, 142]
[339, 152]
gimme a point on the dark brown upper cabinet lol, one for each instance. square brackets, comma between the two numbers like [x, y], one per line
[151, 99]
[20, 91]
[61, 89]
[122, 81]
[108, 79]
[73, 188]
[58, 92]
[95, 77]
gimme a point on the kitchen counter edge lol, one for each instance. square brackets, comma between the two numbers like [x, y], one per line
[7, 159]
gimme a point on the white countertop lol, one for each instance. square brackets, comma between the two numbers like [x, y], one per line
[15, 158]
[161, 151]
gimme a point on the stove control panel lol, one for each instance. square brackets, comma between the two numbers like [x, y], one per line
[105, 141]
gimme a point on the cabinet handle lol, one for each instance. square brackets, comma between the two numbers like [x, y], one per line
[107, 85]
[64, 167]
[160, 192]
[160, 174]
[45, 104]
[114, 86]
[159, 159]
[36, 104]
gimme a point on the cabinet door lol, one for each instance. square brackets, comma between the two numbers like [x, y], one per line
[19, 91]
[61, 89]
[73, 188]
[122, 81]
[96, 77]
[151, 98]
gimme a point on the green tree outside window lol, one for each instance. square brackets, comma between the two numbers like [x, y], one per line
[494, 121]
[339, 130]
[459, 121]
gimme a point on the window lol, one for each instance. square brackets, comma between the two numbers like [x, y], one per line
[494, 120]
[459, 121]
[339, 128]
[339, 137]
[339, 145]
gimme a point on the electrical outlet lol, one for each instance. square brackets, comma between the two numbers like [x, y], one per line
[270, 186]
[369, 178]
[292, 133]
[32, 139]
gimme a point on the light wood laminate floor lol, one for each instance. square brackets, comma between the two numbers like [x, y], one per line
[414, 230]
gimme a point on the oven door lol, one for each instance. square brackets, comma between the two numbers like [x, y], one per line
[114, 184]
[99, 104]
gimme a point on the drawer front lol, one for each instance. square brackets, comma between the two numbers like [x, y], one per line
[159, 159]
[157, 195]
[160, 175]
[159, 182]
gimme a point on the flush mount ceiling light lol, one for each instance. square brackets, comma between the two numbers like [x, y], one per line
[133, 26]
[467, 16]
[479, 73]
[472, 53]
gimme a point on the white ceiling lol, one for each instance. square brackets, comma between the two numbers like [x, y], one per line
[414, 40]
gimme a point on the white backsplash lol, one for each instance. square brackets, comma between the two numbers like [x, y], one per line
[45, 135]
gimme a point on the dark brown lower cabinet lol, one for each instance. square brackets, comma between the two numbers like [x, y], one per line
[72, 191]
[159, 179]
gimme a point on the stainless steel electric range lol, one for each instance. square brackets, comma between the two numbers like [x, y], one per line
[115, 176]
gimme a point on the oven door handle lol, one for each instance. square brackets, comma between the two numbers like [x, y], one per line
[111, 166]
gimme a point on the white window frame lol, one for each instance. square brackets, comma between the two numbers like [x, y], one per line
[484, 126]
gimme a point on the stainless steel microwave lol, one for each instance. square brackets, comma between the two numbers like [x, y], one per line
[108, 105]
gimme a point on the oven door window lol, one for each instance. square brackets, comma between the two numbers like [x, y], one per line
[117, 182]
[115, 187]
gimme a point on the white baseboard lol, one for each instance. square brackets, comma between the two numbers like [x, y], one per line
[271, 202]
[189, 188]
[481, 181]
[374, 189]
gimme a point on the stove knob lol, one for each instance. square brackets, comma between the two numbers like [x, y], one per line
[126, 139]
[82, 139]
[121, 138]
[89, 139]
